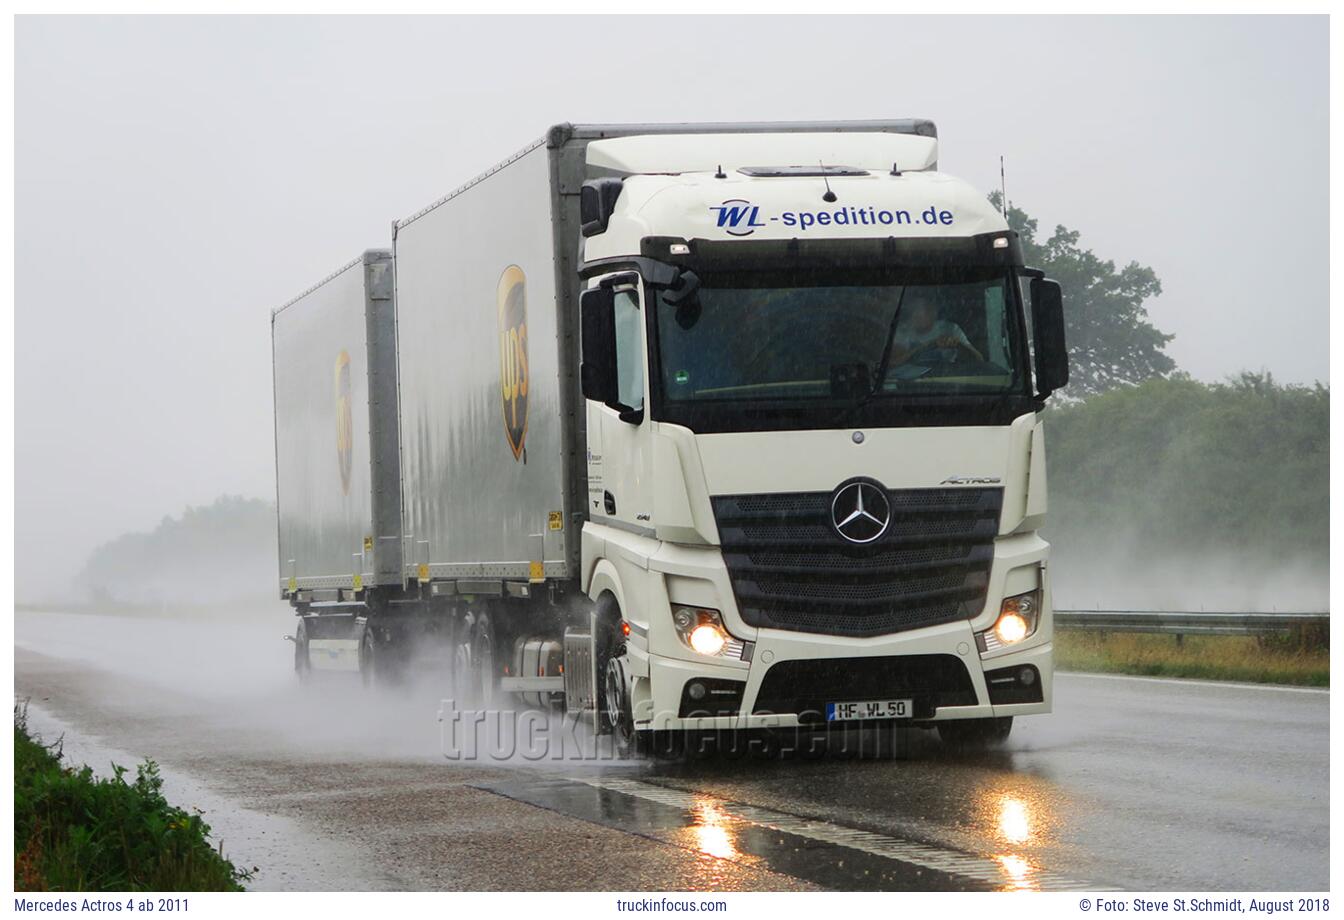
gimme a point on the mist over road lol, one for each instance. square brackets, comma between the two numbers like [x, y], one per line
[1131, 783]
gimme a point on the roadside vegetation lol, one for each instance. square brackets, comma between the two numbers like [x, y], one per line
[1237, 658]
[74, 831]
[215, 554]
[1238, 470]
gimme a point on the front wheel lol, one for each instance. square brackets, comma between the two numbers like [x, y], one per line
[620, 718]
[975, 733]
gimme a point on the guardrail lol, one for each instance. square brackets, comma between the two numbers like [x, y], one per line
[1302, 626]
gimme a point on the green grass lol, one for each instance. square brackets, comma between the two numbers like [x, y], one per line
[74, 831]
[1236, 658]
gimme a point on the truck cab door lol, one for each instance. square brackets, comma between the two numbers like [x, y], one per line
[620, 489]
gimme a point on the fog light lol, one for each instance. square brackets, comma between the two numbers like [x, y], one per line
[707, 639]
[1011, 628]
[696, 691]
[1026, 677]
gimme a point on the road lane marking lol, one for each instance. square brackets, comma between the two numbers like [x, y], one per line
[1185, 681]
[1005, 872]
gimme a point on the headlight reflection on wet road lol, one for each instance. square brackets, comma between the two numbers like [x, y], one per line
[1015, 827]
[713, 835]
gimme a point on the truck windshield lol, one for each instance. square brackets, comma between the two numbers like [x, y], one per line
[842, 339]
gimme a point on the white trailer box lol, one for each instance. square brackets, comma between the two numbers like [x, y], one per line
[484, 451]
[337, 491]
[494, 474]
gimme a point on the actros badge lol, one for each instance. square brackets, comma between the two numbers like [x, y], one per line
[860, 511]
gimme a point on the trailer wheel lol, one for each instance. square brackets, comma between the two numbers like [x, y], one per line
[973, 734]
[484, 672]
[375, 665]
[461, 663]
[303, 667]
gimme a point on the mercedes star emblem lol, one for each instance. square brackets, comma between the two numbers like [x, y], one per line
[860, 511]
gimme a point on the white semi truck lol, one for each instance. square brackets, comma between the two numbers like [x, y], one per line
[683, 428]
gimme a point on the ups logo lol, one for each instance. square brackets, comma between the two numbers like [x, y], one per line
[511, 302]
[345, 437]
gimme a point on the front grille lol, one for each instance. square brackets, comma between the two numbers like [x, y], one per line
[791, 570]
[807, 685]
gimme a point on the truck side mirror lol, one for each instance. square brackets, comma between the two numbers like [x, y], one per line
[1047, 322]
[597, 200]
[683, 295]
[597, 309]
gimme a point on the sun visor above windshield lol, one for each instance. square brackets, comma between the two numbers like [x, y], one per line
[683, 153]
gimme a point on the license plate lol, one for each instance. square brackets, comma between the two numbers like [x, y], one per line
[869, 709]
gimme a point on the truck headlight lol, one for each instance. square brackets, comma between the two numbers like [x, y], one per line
[1018, 617]
[708, 639]
[701, 630]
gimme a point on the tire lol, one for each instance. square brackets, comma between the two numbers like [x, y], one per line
[370, 664]
[608, 645]
[303, 666]
[464, 694]
[975, 734]
[484, 663]
[620, 719]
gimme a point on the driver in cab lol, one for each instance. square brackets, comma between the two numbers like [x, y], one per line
[920, 328]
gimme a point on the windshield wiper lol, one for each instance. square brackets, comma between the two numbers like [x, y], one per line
[880, 378]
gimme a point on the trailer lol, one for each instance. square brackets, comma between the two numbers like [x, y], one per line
[683, 428]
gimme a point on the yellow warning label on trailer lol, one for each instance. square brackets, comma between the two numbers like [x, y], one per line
[555, 520]
[293, 584]
[536, 571]
[423, 574]
[359, 582]
[368, 544]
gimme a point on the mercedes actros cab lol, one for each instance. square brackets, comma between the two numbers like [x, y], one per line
[684, 428]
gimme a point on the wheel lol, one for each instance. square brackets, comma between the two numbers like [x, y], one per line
[608, 644]
[484, 672]
[463, 691]
[369, 663]
[975, 733]
[620, 720]
[303, 667]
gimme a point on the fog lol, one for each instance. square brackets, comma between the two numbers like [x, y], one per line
[176, 178]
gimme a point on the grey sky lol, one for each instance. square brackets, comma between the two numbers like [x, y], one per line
[178, 177]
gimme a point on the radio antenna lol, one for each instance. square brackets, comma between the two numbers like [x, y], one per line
[830, 195]
[1003, 189]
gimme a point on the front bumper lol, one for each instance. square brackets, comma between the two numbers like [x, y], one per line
[938, 668]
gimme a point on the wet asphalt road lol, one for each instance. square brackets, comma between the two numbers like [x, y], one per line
[1130, 784]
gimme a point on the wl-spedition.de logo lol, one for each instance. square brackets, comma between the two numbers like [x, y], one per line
[511, 302]
[739, 217]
